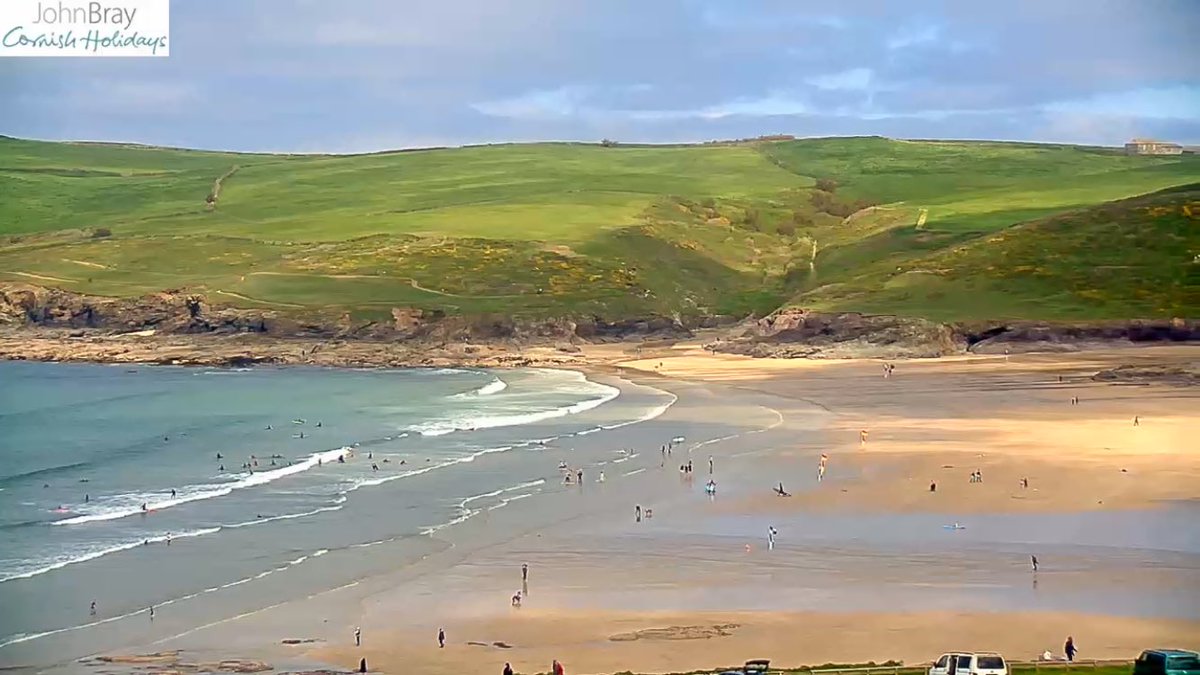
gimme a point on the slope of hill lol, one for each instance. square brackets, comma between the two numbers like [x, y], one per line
[554, 229]
[1137, 257]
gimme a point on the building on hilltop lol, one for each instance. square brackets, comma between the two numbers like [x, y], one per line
[1146, 146]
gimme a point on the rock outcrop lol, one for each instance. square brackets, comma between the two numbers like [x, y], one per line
[798, 333]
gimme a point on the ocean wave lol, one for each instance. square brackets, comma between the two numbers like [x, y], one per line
[482, 420]
[496, 386]
[122, 506]
[16, 639]
[58, 562]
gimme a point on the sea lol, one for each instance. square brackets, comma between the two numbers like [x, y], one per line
[145, 487]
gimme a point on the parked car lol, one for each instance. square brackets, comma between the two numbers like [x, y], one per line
[1167, 662]
[752, 667]
[969, 663]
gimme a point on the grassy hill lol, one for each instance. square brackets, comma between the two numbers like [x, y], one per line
[552, 229]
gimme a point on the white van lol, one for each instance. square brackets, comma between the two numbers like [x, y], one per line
[969, 663]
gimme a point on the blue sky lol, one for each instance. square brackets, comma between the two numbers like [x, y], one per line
[363, 75]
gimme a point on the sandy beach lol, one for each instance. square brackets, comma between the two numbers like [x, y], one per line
[864, 567]
[601, 597]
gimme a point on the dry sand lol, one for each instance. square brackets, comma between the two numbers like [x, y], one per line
[676, 642]
[604, 593]
[938, 420]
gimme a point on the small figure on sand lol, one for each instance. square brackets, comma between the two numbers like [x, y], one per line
[711, 487]
[933, 486]
[862, 437]
[1034, 562]
[781, 492]
[556, 668]
[579, 476]
[771, 532]
[93, 612]
[507, 669]
[524, 573]
[1137, 421]
[172, 492]
[1024, 483]
[601, 478]
[516, 599]
[710, 465]
[1069, 648]
[441, 638]
[357, 636]
[152, 615]
[637, 512]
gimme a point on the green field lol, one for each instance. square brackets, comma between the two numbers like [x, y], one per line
[559, 229]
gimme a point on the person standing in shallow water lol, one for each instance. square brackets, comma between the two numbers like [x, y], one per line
[441, 638]
[637, 513]
[1034, 562]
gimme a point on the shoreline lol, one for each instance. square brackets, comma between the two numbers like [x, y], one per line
[1015, 409]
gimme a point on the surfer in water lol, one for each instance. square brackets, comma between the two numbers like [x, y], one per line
[144, 509]
[172, 492]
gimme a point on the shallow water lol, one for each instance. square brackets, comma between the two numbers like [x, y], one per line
[84, 447]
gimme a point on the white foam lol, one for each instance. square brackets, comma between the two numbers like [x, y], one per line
[69, 559]
[122, 506]
[496, 386]
[485, 421]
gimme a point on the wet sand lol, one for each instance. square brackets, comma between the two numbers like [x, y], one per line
[863, 569]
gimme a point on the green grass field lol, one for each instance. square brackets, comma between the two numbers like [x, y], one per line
[554, 229]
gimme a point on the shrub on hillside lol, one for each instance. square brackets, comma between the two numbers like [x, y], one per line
[827, 184]
[101, 232]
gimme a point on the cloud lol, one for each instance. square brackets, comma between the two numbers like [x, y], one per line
[1178, 102]
[858, 79]
[299, 74]
[914, 36]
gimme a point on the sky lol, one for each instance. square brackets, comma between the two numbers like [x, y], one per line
[367, 75]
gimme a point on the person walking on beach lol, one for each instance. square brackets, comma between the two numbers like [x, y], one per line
[601, 478]
[507, 669]
[93, 613]
[1136, 420]
[441, 638]
[152, 616]
[710, 465]
[1069, 648]
[862, 437]
[637, 512]
[933, 486]
[771, 532]
[556, 668]
[524, 573]
[357, 636]
[1033, 560]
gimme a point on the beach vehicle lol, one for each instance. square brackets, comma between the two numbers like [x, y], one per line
[1167, 662]
[969, 663]
[752, 667]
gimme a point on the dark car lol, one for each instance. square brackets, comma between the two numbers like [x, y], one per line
[1167, 662]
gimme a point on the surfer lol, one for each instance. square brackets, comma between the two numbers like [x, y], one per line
[87, 498]
[374, 467]
[341, 459]
[93, 608]
[172, 492]
[219, 456]
[151, 612]
[318, 425]
[268, 427]
[221, 468]
[273, 463]
[144, 507]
